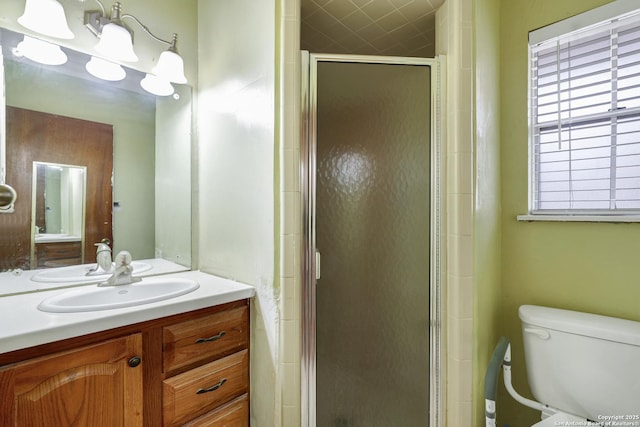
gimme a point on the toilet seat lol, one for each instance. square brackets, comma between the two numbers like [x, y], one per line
[562, 419]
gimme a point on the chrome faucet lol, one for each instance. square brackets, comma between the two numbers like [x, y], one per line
[103, 259]
[122, 275]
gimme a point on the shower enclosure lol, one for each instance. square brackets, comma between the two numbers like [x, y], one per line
[371, 267]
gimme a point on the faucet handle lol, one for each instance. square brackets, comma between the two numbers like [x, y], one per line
[103, 259]
[102, 246]
[123, 259]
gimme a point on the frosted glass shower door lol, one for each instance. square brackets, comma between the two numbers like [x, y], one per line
[373, 231]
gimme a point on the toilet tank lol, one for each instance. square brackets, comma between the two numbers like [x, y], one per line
[583, 364]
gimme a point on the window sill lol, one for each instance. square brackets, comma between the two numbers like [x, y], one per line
[579, 218]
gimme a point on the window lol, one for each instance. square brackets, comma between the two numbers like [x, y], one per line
[585, 117]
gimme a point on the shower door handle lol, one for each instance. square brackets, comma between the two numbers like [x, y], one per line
[317, 264]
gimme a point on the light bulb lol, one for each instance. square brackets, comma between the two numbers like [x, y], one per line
[170, 67]
[116, 43]
[105, 70]
[156, 85]
[40, 51]
[46, 17]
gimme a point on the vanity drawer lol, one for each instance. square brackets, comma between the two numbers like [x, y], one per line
[233, 414]
[205, 338]
[202, 389]
[58, 254]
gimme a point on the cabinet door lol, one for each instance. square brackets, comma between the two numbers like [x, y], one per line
[97, 385]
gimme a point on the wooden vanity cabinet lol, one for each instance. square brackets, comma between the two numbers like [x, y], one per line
[95, 385]
[191, 369]
[206, 365]
[57, 254]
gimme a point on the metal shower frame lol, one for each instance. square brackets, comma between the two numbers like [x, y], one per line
[308, 187]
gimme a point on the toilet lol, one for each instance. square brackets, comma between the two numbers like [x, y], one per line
[583, 369]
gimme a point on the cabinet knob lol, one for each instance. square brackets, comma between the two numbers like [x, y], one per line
[135, 361]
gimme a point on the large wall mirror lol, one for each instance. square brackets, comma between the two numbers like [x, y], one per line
[135, 148]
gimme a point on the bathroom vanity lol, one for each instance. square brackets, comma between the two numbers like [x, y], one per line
[57, 254]
[183, 361]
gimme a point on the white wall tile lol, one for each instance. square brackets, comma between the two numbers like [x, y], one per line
[455, 40]
[290, 336]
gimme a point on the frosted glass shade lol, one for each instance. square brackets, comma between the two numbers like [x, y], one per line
[116, 43]
[170, 67]
[46, 17]
[105, 70]
[41, 51]
[156, 85]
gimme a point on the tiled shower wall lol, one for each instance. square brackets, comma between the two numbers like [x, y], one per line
[454, 40]
[289, 383]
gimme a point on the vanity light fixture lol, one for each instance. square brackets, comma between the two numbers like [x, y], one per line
[40, 51]
[156, 85]
[116, 42]
[105, 70]
[46, 17]
[170, 65]
[116, 39]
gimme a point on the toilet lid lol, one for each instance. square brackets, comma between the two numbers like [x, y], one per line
[561, 419]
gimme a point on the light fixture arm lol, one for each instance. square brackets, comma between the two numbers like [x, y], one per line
[116, 44]
[104, 11]
[146, 29]
[95, 20]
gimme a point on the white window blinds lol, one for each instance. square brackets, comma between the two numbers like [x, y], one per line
[585, 120]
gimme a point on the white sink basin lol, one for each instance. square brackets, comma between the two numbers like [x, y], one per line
[78, 273]
[93, 298]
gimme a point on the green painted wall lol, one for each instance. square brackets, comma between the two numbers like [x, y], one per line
[487, 190]
[589, 267]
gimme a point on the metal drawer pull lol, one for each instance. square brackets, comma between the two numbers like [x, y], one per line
[212, 388]
[213, 338]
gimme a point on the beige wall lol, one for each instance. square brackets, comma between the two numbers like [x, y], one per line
[236, 179]
[588, 267]
[173, 176]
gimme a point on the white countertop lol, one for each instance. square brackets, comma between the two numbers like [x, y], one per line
[22, 325]
[56, 238]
